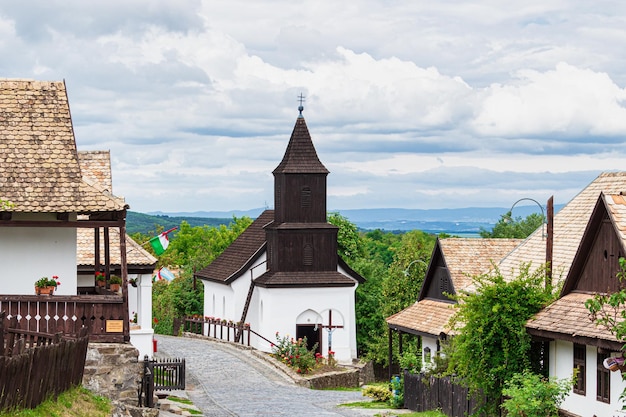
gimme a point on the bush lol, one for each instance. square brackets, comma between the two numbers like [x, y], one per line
[377, 392]
[410, 362]
[294, 353]
[530, 395]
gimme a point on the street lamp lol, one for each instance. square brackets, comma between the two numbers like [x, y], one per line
[543, 214]
[406, 270]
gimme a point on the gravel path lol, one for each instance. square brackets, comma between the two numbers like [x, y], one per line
[223, 380]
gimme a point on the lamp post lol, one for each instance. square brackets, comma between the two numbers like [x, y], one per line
[406, 270]
[547, 234]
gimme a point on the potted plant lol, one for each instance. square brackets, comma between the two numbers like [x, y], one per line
[46, 286]
[100, 279]
[115, 282]
[133, 282]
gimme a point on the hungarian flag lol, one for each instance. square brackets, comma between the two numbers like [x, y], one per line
[161, 242]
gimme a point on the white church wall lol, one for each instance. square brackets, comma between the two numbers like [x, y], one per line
[29, 253]
[277, 310]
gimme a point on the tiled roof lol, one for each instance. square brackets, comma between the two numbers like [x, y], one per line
[300, 156]
[39, 170]
[616, 205]
[85, 251]
[95, 167]
[424, 317]
[240, 252]
[304, 279]
[468, 257]
[568, 316]
[569, 225]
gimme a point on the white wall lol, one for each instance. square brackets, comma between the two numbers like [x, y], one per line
[561, 366]
[29, 253]
[428, 342]
[140, 301]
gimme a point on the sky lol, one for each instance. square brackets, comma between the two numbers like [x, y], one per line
[410, 104]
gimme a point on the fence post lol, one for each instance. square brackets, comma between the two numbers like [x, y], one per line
[148, 381]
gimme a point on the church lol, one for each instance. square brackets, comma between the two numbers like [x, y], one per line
[283, 275]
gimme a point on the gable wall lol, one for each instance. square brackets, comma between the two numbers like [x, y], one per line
[602, 264]
[29, 253]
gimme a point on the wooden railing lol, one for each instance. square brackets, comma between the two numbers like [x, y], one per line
[218, 329]
[103, 315]
[35, 366]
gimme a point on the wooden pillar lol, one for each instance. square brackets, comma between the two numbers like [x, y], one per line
[390, 342]
[124, 272]
[549, 243]
[96, 239]
[107, 254]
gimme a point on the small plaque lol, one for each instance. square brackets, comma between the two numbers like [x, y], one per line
[115, 326]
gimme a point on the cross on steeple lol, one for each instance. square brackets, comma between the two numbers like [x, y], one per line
[301, 107]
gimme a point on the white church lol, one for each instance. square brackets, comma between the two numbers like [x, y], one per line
[283, 274]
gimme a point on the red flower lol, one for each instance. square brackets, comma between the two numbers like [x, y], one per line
[155, 320]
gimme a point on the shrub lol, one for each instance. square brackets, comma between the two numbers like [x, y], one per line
[410, 362]
[530, 395]
[377, 392]
[294, 353]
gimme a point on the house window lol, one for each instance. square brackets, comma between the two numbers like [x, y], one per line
[580, 357]
[603, 380]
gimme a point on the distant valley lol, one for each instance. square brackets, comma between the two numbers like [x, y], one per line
[462, 221]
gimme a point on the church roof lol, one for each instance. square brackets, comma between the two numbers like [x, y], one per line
[240, 254]
[304, 279]
[300, 156]
[39, 169]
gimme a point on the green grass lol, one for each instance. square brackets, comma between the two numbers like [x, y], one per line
[77, 402]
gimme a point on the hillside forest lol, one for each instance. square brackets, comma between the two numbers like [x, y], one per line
[392, 263]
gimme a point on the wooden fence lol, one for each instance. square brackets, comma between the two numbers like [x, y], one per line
[68, 315]
[35, 366]
[163, 374]
[423, 393]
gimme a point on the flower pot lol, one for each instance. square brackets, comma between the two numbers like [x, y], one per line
[114, 287]
[44, 290]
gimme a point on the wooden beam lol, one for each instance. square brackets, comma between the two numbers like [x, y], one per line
[74, 224]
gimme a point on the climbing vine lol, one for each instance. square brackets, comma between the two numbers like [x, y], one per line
[491, 343]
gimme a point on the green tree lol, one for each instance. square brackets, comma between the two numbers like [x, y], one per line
[491, 343]
[349, 242]
[508, 227]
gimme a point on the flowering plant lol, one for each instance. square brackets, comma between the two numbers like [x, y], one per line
[294, 353]
[100, 276]
[47, 282]
[134, 320]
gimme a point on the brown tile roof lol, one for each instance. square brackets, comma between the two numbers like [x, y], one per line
[85, 251]
[95, 167]
[429, 317]
[568, 316]
[304, 279]
[616, 205]
[569, 225]
[242, 251]
[300, 156]
[39, 170]
[468, 257]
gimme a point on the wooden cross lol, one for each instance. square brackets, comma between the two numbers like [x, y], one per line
[331, 328]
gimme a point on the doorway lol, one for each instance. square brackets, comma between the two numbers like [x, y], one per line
[313, 335]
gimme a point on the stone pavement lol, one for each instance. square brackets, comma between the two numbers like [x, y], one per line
[223, 380]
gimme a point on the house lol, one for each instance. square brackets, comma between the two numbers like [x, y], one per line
[452, 264]
[46, 200]
[283, 275]
[575, 341]
[96, 168]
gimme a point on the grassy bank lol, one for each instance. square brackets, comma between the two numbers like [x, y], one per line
[77, 402]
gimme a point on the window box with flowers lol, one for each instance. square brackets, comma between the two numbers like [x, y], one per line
[46, 286]
[114, 283]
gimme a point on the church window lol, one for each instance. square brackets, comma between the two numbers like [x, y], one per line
[308, 255]
[305, 197]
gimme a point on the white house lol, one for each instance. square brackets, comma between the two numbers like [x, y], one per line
[283, 274]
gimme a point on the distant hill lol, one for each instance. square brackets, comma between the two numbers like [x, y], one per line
[147, 223]
[461, 221]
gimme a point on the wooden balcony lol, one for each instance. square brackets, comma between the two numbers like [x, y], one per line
[105, 316]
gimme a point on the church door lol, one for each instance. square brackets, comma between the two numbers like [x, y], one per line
[313, 335]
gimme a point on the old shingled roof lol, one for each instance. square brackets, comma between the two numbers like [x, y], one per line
[300, 156]
[464, 258]
[569, 225]
[85, 250]
[239, 254]
[39, 169]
